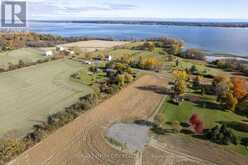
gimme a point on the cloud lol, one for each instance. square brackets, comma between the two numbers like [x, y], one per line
[101, 7]
[75, 8]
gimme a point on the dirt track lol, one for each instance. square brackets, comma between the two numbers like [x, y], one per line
[82, 141]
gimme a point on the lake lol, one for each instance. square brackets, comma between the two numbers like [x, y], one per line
[212, 39]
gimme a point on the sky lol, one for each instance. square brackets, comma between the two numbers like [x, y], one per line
[136, 9]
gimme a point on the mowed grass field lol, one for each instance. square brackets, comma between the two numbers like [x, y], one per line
[24, 54]
[30, 94]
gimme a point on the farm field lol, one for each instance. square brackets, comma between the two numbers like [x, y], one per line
[90, 46]
[30, 94]
[25, 54]
[83, 141]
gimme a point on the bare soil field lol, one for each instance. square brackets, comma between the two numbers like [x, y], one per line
[180, 150]
[83, 141]
[90, 46]
[29, 95]
[24, 54]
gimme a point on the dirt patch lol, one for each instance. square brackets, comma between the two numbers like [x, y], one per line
[133, 136]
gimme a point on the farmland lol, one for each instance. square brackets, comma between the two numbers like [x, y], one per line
[30, 94]
[90, 46]
[27, 55]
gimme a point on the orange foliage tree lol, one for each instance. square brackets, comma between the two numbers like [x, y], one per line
[239, 87]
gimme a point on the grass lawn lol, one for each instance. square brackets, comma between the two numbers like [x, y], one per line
[210, 118]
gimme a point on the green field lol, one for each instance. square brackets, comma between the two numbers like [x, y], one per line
[210, 117]
[30, 94]
[25, 54]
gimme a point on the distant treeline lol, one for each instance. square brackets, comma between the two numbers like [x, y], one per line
[175, 23]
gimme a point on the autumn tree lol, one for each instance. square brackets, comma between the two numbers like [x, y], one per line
[181, 74]
[180, 87]
[196, 123]
[180, 83]
[239, 87]
[150, 63]
[222, 86]
[231, 101]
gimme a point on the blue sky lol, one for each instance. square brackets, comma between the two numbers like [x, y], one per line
[137, 9]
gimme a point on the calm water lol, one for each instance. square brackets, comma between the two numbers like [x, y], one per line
[219, 40]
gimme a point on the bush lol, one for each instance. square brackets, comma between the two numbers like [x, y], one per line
[93, 69]
[10, 148]
[176, 126]
[244, 142]
[221, 135]
[242, 107]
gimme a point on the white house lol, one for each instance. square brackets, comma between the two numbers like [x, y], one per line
[49, 53]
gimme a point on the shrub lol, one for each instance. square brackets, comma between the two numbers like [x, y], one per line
[231, 101]
[221, 135]
[244, 142]
[93, 69]
[176, 126]
[120, 79]
[193, 69]
[128, 78]
[10, 148]
[242, 107]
